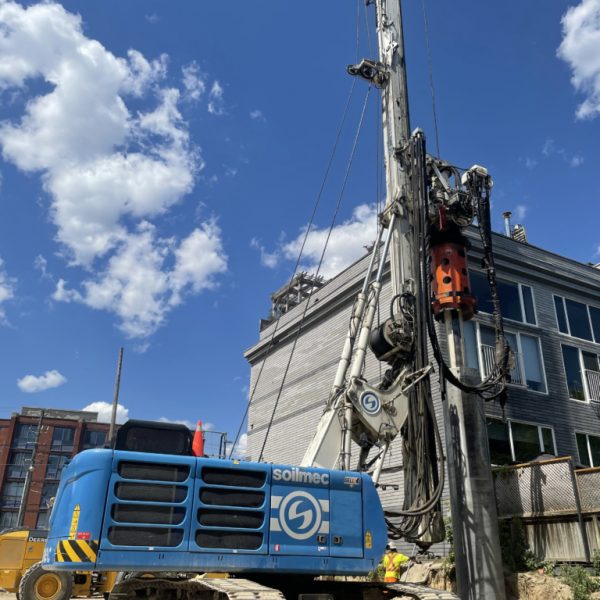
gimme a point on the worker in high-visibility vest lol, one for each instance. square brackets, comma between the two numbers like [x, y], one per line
[392, 562]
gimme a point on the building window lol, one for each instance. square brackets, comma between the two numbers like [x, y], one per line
[19, 465]
[12, 494]
[8, 519]
[42, 520]
[480, 351]
[588, 447]
[62, 439]
[516, 299]
[582, 370]
[56, 463]
[577, 319]
[93, 439]
[48, 493]
[25, 435]
[512, 441]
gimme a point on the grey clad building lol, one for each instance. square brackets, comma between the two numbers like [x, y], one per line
[551, 308]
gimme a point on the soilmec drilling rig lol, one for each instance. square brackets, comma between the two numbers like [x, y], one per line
[150, 505]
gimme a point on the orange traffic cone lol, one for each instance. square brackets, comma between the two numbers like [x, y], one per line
[198, 443]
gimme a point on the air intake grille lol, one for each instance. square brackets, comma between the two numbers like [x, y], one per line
[145, 536]
[148, 514]
[229, 540]
[248, 519]
[231, 515]
[233, 477]
[153, 471]
[147, 492]
[223, 497]
[153, 511]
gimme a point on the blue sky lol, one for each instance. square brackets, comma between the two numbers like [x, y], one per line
[160, 161]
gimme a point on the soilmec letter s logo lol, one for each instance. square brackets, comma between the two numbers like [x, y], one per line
[370, 403]
[300, 515]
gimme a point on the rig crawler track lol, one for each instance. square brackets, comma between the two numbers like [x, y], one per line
[245, 589]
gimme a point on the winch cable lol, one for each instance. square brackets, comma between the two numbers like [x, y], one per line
[431, 86]
[307, 300]
[316, 205]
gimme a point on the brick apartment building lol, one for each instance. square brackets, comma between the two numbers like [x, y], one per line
[41, 441]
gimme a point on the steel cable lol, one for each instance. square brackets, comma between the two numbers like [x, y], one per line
[307, 300]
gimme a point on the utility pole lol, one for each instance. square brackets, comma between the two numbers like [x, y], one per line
[113, 418]
[478, 560]
[29, 475]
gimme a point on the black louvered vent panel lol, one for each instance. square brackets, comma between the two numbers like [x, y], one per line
[233, 477]
[145, 536]
[153, 471]
[148, 492]
[243, 498]
[229, 540]
[248, 519]
[151, 515]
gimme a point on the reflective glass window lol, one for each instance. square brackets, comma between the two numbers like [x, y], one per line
[579, 321]
[526, 441]
[532, 362]
[499, 442]
[528, 306]
[573, 372]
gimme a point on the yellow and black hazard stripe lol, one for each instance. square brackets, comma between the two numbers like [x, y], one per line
[77, 551]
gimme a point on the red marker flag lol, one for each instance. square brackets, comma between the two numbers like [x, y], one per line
[198, 443]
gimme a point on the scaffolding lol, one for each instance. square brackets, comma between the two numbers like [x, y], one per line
[291, 294]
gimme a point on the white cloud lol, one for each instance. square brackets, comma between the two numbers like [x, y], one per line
[152, 18]
[241, 448]
[189, 424]
[138, 287]
[267, 259]
[108, 171]
[216, 104]
[550, 149]
[257, 115]
[345, 246]
[194, 81]
[530, 163]
[32, 383]
[520, 212]
[104, 410]
[7, 290]
[62, 294]
[580, 48]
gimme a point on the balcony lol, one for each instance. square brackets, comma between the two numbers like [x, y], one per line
[593, 385]
[488, 355]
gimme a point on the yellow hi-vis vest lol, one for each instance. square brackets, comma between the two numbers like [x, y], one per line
[392, 563]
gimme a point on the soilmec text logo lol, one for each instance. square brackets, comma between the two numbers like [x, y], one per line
[297, 475]
[300, 515]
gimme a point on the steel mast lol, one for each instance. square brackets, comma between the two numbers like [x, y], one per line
[473, 507]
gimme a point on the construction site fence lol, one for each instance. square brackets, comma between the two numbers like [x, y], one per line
[557, 505]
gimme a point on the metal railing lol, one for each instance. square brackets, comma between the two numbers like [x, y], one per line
[593, 384]
[488, 354]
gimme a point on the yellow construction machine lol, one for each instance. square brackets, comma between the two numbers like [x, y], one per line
[21, 570]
